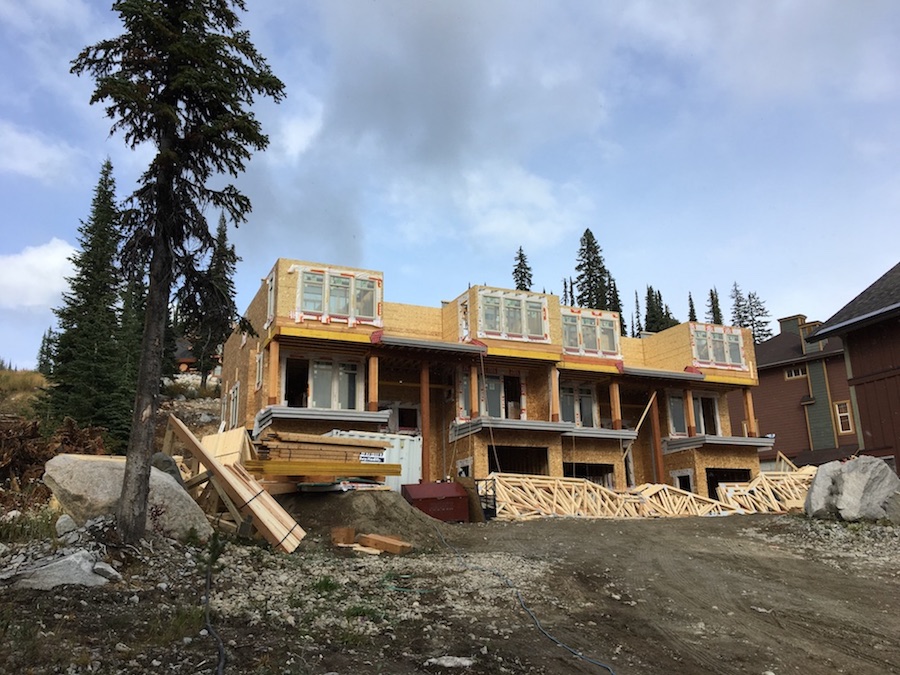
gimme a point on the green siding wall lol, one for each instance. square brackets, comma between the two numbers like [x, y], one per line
[821, 428]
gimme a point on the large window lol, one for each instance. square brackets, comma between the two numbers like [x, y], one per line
[338, 295]
[513, 315]
[590, 332]
[706, 414]
[718, 346]
[577, 404]
[323, 383]
[504, 396]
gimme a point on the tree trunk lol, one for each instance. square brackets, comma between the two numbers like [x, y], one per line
[131, 518]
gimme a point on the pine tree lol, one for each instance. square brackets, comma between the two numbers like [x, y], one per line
[182, 79]
[739, 315]
[522, 272]
[209, 319]
[45, 353]
[692, 313]
[757, 318]
[565, 293]
[657, 315]
[592, 274]
[86, 357]
[638, 326]
[713, 310]
[614, 303]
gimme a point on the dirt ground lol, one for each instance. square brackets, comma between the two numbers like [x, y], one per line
[768, 595]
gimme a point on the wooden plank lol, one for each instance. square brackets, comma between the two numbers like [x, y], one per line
[384, 543]
[293, 437]
[272, 521]
[275, 467]
[228, 447]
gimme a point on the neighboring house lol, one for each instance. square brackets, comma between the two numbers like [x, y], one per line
[869, 325]
[495, 380]
[803, 400]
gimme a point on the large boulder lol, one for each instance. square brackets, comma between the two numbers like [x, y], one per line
[859, 489]
[80, 568]
[89, 486]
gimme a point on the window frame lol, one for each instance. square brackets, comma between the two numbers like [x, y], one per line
[577, 389]
[797, 372]
[604, 323]
[515, 314]
[848, 415]
[713, 338]
[234, 397]
[357, 284]
[337, 368]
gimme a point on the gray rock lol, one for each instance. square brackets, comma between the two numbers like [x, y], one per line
[822, 492]
[866, 484]
[166, 464]
[892, 508]
[65, 524]
[77, 568]
[89, 486]
[106, 571]
[10, 516]
[858, 489]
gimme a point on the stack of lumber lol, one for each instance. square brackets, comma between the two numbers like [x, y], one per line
[521, 497]
[308, 458]
[770, 491]
[667, 501]
[246, 501]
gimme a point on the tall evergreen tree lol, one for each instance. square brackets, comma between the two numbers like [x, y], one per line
[45, 353]
[638, 327]
[86, 357]
[207, 325]
[739, 316]
[657, 315]
[692, 312]
[181, 78]
[592, 274]
[614, 304]
[522, 272]
[757, 318]
[713, 310]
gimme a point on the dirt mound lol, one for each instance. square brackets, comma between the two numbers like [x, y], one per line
[368, 511]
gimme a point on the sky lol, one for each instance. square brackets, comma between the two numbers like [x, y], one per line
[702, 142]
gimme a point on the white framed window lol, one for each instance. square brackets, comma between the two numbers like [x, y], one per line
[513, 315]
[590, 332]
[795, 372]
[463, 394]
[344, 296]
[844, 416]
[578, 404]
[503, 395]
[706, 414]
[718, 346]
[234, 397]
[335, 385]
[259, 371]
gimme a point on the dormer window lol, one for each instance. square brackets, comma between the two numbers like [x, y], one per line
[590, 332]
[718, 347]
[513, 315]
[347, 296]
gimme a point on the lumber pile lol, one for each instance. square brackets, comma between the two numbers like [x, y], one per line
[770, 491]
[667, 501]
[246, 501]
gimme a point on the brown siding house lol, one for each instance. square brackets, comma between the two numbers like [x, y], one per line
[870, 328]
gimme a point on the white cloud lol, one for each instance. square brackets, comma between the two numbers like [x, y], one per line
[35, 277]
[297, 130]
[33, 154]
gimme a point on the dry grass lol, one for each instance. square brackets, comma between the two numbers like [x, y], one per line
[18, 389]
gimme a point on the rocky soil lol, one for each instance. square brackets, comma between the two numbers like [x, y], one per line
[742, 594]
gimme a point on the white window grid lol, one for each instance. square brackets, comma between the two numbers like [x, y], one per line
[718, 347]
[590, 332]
[513, 315]
[337, 295]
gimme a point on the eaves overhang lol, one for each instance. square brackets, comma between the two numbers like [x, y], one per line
[594, 432]
[474, 348]
[678, 443]
[462, 429]
[856, 322]
[663, 374]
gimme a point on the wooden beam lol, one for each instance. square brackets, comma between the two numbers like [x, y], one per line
[749, 413]
[689, 416]
[474, 398]
[277, 467]
[554, 394]
[657, 440]
[425, 410]
[274, 390]
[372, 385]
[615, 403]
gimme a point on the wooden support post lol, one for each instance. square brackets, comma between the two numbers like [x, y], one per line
[372, 388]
[274, 390]
[689, 417]
[615, 403]
[554, 394]
[474, 398]
[425, 408]
[657, 440]
[749, 414]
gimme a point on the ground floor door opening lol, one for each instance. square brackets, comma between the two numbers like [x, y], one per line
[515, 459]
[602, 474]
[716, 476]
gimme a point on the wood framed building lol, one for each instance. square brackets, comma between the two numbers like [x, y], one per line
[494, 380]
[869, 326]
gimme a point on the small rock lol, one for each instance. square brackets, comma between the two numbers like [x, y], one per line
[122, 648]
[65, 524]
[107, 571]
[10, 516]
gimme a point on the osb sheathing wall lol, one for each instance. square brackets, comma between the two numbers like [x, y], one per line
[596, 451]
[412, 321]
[477, 446]
[701, 459]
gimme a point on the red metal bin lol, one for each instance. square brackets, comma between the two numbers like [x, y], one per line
[445, 501]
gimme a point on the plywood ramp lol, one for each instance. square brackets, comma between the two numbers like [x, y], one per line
[249, 497]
